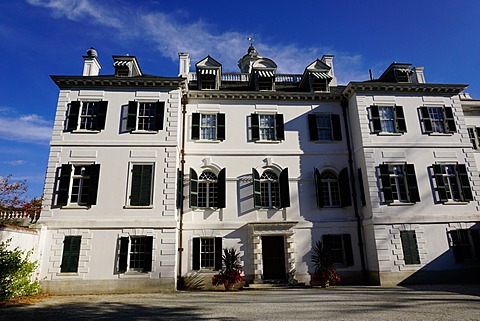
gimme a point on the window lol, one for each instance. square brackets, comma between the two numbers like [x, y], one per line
[208, 82]
[399, 183]
[437, 120]
[208, 189]
[210, 127]
[207, 253]
[324, 127]
[89, 116]
[332, 191]
[340, 246]
[465, 245]
[267, 127]
[122, 70]
[141, 185]
[135, 254]
[452, 183]
[271, 190]
[71, 254]
[409, 247]
[145, 116]
[387, 119]
[78, 184]
[474, 135]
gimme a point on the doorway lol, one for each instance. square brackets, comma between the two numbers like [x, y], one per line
[273, 255]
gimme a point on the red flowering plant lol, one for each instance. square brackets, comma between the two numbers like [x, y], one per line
[231, 271]
[325, 273]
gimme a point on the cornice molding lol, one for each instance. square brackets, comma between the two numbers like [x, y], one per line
[67, 82]
[260, 95]
[449, 89]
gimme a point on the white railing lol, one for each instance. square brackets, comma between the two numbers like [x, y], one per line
[19, 215]
[238, 76]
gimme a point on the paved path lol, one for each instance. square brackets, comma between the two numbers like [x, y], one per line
[334, 303]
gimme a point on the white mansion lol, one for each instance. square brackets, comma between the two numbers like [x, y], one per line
[150, 177]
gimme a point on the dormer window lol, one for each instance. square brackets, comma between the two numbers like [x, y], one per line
[122, 71]
[208, 79]
[402, 75]
[320, 81]
[265, 80]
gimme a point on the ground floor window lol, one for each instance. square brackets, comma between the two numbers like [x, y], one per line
[207, 253]
[135, 254]
[410, 247]
[465, 245]
[340, 246]
[71, 254]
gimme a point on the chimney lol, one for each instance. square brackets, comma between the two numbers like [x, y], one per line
[328, 60]
[91, 66]
[418, 76]
[184, 64]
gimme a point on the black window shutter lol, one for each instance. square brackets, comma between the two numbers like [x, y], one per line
[132, 116]
[312, 126]
[193, 188]
[442, 192]
[218, 253]
[465, 183]
[449, 120]
[196, 254]
[123, 255]
[64, 184]
[345, 197]
[255, 126]
[386, 186]
[71, 254]
[475, 234]
[362, 190]
[102, 114]
[257, 194]
[347, 243]
[375, 119]
[148, 254]
[141, 189]
[179, 188]
[414, 195]
[73, 113]
[318, 187]
[427, 123]
[93, 187]
[221, 181]
[279, 127]
[159, 114]
[456, 246]
[336, 127]
[220, 126]
[400, 120]
[195, 126]
[284, 189]
[410, 247]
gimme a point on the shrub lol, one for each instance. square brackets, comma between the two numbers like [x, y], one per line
[231, 271]
[16, 273]
[325, 272]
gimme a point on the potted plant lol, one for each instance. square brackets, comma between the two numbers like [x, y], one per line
[325, 273]
[231, 271]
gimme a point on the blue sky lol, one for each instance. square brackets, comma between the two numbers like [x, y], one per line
[48, 37]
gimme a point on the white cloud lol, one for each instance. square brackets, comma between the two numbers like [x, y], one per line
[17, 162]
[26, 128]
[169, 36]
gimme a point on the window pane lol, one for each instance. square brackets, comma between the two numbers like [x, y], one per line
[324, 127]
[436, 117]
[387, 120]
[88, 115]
[207, 190]
[146, 116]
[269, 190]
[208, 127]
[137, 253]
[330, 188]
[267, 127]
[207, 253]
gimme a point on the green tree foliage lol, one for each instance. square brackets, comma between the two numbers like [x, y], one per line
[16, 273]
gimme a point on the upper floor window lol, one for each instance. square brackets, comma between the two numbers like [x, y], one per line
[207, 253]
[324, 127]
[452, 183]
[340, 246]
[267, 127]
[78, 184]
[135, 254]
[332, 190]
[145, 116]
[438, 120]
[141, 185]
[87, 115]
[474, 135]
[208, 189]
[387, 119]
[398, 183]
[465, 245]
[271, 190]
[210, 127]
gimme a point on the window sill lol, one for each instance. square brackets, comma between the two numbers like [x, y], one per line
[138, 207]
[208, 141]
[268, 141]
[75, 207]
[150, 132]
[455, 203]
[67, 274]
[134, 274]
[326, 141]
[389, 134]
[440, 134]
[85, 131]
[401, 204]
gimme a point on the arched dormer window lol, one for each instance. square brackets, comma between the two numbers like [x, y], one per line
[270, 189]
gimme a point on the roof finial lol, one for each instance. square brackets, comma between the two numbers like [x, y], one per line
[251, 39]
